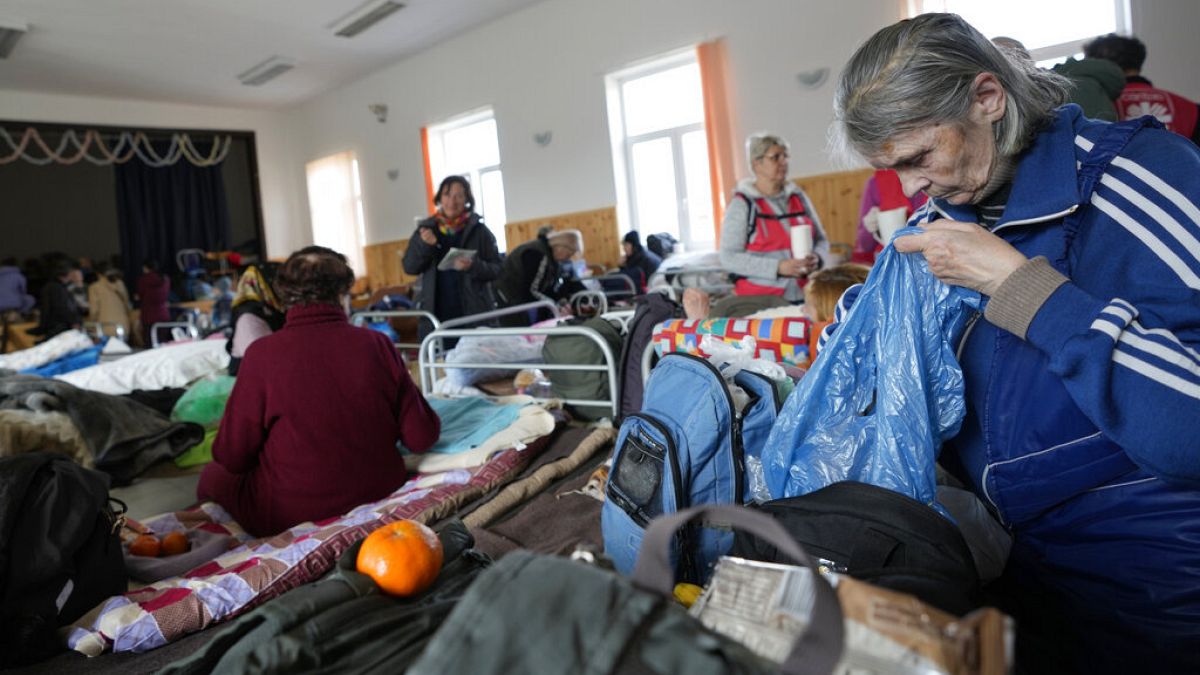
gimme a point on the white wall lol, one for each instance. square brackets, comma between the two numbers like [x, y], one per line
[543, 68]
[281, 200]
[1168, 27]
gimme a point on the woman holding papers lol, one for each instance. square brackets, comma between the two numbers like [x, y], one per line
[465, 286]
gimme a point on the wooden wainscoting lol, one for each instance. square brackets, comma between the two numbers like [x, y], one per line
[601, 242]
[601, 239]
[837, 198]
[383, 264]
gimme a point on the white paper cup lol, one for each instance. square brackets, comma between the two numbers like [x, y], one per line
[802, 241]
[890, 221]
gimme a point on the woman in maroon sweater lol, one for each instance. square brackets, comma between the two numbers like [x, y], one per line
[311, 427]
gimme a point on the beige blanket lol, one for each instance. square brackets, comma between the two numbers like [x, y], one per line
[28, 430]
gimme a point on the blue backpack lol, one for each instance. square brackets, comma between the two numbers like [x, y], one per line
[686, 447]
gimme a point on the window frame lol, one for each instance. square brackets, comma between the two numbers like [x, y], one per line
[623, 144]
[440, 168]
[345, 160]
[1056, 52]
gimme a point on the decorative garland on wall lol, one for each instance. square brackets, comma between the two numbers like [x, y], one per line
[128, 145]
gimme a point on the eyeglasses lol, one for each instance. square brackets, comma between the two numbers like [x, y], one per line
[776, 156]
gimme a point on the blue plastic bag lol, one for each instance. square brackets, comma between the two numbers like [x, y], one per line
[885, 392]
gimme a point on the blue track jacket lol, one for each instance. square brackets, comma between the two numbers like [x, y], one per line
[1084, 437]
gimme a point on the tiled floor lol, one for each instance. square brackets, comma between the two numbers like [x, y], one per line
[152, 495]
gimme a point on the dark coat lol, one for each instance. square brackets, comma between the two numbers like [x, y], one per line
[58, 310]
[311, 426]
[640, 266]
[422, 259]
[531, 273]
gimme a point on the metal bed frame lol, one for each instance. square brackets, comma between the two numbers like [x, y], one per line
[360, 318]
[95, 329]
[429, 356]
[658, 280]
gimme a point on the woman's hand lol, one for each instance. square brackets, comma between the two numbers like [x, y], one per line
[798, 267]
[428, 236]
[463, 264]
[964, 254]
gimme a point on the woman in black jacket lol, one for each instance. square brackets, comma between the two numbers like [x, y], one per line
[466, 288]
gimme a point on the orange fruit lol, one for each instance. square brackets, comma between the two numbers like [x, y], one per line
[175, 543]
[146, 545]
[403, 557]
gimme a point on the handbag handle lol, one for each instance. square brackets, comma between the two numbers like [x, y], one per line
[817, 650]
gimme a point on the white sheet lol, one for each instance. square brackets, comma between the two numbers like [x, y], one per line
[39, 355]
[175, 365]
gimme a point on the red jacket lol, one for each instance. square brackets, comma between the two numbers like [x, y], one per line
[311, 427]
[1175, 112]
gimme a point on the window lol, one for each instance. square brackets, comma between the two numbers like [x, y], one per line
[660, 151]
[1051, 31]
[335, 202]
[468, 146]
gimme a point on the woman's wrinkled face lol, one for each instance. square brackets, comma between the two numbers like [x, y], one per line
[453, 201]
[946, 161]
[951, 161]
[773, 166]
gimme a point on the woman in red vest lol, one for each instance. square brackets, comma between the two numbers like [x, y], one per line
[756, 233]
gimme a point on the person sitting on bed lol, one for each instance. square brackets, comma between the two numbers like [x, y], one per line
[311, 427]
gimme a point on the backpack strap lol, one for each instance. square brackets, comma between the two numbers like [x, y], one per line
[1111, 143]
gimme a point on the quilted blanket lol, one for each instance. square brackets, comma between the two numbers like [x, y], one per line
[783, 340]
[261, 569]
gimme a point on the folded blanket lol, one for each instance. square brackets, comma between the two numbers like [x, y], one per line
[123, 436]
[73, 361]
[39, 355]
[532, 422]
[467, 422]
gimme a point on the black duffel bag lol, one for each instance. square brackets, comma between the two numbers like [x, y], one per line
[60, 551]
[877, 535]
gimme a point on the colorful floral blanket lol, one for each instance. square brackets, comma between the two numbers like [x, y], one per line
[783, 340]
[261, 569]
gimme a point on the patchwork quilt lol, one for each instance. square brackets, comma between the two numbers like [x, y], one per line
[261, 569]
[782, 340]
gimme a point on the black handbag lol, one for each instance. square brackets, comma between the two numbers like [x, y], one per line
[877, 535]
[60, 551]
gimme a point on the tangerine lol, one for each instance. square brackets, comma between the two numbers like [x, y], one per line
[146, 545]
[403, 557]
[175, 543]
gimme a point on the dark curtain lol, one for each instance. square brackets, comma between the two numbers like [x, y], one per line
[162, 210]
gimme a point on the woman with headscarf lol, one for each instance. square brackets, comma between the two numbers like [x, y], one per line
[257, 311]
[1082, 375]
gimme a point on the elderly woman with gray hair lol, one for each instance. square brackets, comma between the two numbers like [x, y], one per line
[1082, 378]
[756, 240]
[536, 270]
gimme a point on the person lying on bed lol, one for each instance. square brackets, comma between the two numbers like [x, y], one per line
[311, 427]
